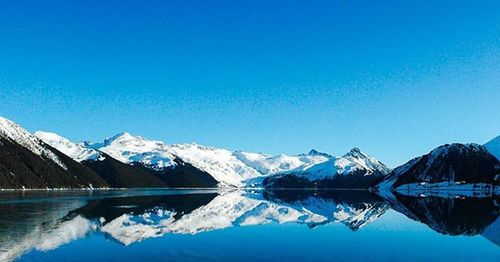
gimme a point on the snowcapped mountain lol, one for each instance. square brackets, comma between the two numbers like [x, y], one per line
[452, 166]
[493, 147]
[135, 149]
[21, 136]
[26, 162]
[130, 174]
[268, 164]
[125, 160]
[365, 161]
[353, 170]
[229, 168]
[76, 151]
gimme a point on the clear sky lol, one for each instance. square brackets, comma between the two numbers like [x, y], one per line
[395, 79]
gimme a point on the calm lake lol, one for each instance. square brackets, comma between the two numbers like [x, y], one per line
[231, 225]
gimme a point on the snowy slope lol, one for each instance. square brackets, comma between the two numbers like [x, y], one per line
[15, 133]
[76, 151]
[128, 149]
[229, 168]
[267, 164]
[220, 163]
[234, 168]
[366, 161]
[354, 160]
[493, 147]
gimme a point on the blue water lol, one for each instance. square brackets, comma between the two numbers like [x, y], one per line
[175, 225]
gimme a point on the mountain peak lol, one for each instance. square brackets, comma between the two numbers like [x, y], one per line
[122, 136]
[356, 152]
[128, 149]
[356, 149]
[369, 162]
[315, 152]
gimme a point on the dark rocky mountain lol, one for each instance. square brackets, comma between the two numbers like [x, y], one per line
[135, 175]
[21, 168]
[354, 180]
[448, 166]
[182, 175]
[120, 175]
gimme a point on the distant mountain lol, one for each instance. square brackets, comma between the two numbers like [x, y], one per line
[315, 152]
[47, 160]
[493, 147]
[131, 174]
[227, 168]
[26, 162]
[456, 166]
[353, 170]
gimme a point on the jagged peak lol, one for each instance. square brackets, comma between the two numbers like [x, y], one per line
[314, 152]
[357, 153]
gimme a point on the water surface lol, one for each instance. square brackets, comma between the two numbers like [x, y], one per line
[212, 225]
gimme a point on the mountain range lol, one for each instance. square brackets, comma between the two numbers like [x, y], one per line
[44, 160]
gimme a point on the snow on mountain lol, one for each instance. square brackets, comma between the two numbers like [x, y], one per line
[229, 168]
[21, 136]
[451, 166]
[353, 161]
[220, 163]
[267, 164]
[76, 151]
[493, 147]
[366, 161]
[128, 149]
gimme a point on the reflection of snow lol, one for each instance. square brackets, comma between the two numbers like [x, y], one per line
[234, 209]
[129, 228]
[65, 233]
[355, 218]
[44, 239]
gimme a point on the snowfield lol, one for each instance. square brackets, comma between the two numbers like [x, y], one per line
[76, 151]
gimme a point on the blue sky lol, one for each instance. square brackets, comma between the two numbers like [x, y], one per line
[395, 79]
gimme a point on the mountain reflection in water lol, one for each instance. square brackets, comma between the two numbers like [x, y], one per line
[44, 222]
